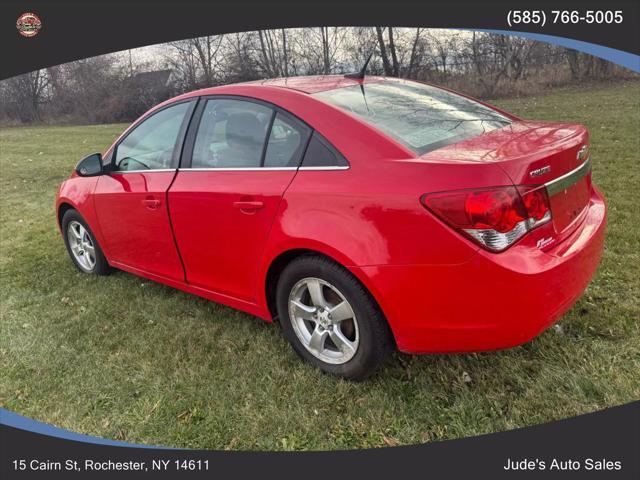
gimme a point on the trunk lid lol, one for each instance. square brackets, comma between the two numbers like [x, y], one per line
[535, 153]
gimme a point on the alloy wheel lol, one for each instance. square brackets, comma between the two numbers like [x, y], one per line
[81, 245]
[323, 320]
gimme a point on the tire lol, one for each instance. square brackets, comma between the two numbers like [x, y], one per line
[351, 341]
[81, 256]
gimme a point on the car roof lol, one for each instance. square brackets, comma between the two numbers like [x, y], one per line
[306, 84]
[316, 83]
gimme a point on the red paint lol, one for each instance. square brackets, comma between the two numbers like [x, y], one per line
[134, 221]
[223, 219]
[439, 290]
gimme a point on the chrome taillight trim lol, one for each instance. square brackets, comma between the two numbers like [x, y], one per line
[533, 223]
[499, 241]
[563, 182]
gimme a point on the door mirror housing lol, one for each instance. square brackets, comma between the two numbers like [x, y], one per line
[90, 166]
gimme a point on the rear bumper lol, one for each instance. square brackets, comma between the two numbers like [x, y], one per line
[493, 301]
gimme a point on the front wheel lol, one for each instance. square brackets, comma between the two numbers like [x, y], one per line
[82, 246]
[330, 319]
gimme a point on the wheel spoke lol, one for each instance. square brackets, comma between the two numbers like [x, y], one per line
[76, 232]
[315, 290]
[340, 341]
[303, 311]
[316, 342]
[89, 248]
[341, 312]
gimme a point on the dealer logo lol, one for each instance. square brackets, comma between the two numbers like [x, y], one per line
[28, 24]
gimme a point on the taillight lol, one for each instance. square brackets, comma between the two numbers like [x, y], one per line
[493, 217]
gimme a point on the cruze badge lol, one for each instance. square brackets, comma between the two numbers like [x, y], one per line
[540, 171]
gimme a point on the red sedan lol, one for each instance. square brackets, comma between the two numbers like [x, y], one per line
[362, 214]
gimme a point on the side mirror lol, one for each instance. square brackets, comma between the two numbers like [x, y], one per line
[90, 166]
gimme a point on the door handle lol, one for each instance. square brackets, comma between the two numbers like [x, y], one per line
[151, 203]
[247, 206]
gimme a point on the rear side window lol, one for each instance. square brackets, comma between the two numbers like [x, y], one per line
[231, 134]
[287, 141]
[421, 117]
[320, 153]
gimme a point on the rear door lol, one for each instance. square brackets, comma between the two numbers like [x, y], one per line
[240, 157]
[131, 199]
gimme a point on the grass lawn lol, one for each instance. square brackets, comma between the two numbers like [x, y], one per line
[123, 358]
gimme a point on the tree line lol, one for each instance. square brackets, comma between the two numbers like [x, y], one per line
[121, 86]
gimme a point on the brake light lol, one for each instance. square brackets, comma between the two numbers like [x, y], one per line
[536, 202]
[494, 217]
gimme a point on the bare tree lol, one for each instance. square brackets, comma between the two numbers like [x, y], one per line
[26, 94]
[270, 54]
[195, 61]
[207, 50]
[319, 50]
[239, 63]
[394, 56]
[182, 60]
[362, 42]
[383, 52]
[95, 97]
[391, 67]
[583, 66]
[415, 47]
[443, 51]
[285, 53]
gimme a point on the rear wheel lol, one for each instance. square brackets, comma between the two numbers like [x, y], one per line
[330, 319]
[82, 246]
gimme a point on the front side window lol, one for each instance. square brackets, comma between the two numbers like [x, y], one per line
[150, 146]
[231, 134]
[421, 117]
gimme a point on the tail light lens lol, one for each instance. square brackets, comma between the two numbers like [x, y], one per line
[496, 217]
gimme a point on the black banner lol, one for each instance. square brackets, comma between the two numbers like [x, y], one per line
[605, 444]
[74, 30]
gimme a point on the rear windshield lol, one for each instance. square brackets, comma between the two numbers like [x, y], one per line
[421, 117]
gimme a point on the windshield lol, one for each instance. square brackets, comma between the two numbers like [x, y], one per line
[419, 116]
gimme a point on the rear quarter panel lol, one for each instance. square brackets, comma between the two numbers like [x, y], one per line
[371, 215]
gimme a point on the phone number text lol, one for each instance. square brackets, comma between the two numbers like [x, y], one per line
[540, 17]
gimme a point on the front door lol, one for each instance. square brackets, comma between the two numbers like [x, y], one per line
[131, 201]
[222, 206]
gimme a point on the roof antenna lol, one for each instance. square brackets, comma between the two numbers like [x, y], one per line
[363, 70]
